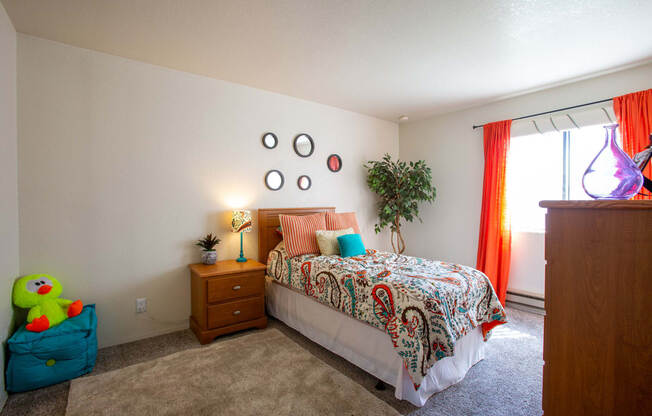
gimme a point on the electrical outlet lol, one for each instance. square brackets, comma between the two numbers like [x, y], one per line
[141, 305]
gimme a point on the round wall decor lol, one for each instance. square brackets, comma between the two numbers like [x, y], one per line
[304, 182]
[334, 163]
[270, 140]
[303, 144]
[274, 180]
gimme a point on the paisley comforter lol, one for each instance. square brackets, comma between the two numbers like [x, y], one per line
[423, 305]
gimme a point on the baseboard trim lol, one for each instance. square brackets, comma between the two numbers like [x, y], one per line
[525, 295]
[145, 335]
[526, 308]
[526, 302]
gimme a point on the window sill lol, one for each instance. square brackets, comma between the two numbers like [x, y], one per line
[528, 231]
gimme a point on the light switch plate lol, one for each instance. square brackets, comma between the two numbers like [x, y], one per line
[141, 305]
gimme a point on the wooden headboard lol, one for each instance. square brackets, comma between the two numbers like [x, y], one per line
[268, 222]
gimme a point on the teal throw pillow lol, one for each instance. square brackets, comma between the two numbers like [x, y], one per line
[351, 245]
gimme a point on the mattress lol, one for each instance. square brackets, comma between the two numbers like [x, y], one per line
[368, 347]
[423, 307]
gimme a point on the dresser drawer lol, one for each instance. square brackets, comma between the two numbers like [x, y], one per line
[239, 286]
[228, 313]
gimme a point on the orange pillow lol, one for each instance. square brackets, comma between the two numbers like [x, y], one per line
[341, 220]
[299, 233]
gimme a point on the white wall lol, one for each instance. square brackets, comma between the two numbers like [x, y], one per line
[8, 183]
[122, 165]
[454, 151]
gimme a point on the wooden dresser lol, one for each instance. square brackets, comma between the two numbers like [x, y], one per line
[226, 297]
[598, 325]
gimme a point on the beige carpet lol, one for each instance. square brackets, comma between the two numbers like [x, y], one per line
[264, 373]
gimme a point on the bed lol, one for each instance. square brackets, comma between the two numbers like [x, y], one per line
[416, 324]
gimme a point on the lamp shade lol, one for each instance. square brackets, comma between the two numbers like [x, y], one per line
[241, 222]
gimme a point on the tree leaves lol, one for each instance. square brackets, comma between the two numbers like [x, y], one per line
[400, 187]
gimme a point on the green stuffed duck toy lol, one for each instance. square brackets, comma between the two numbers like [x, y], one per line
[40, 293]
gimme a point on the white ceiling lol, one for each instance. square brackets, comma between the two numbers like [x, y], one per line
[383, 58]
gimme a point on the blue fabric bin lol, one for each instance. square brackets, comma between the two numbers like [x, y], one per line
[39, 359]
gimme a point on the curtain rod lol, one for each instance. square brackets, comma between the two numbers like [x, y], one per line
[555, 111]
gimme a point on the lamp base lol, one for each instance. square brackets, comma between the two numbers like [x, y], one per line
[242, 258]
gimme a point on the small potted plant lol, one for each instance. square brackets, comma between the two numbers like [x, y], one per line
[208, 243]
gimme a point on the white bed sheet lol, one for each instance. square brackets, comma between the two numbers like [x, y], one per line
[368, 347]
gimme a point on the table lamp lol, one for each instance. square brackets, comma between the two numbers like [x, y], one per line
[241, 223]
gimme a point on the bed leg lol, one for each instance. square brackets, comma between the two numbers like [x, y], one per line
[380, 385]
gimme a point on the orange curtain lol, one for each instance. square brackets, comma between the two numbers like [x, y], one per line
[495, 242]
[634, 113]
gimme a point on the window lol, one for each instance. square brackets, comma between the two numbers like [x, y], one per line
[547, 166]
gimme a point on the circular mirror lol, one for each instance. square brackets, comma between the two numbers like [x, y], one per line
[334, 163]
[303, 145]
[270, 140]
[304, 183]
[274, 180]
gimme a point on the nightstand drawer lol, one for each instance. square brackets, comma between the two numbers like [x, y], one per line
[237, 311]
[239, 286]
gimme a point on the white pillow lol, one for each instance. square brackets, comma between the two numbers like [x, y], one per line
[327, 240]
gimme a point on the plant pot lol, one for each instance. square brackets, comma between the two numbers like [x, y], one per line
[208, 256]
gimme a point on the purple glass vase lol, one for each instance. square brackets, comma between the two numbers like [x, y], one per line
[612, 174]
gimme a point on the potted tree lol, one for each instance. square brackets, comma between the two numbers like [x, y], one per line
[208, 243]
[400, 187]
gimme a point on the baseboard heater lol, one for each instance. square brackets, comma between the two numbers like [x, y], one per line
[525, 299]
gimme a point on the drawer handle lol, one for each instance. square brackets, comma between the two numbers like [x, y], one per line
[236, 312]
[236, 287]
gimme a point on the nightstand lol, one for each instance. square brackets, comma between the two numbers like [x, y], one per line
[226, 297]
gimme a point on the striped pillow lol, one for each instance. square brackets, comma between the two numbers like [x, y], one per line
[299, 233]
[341, 220]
